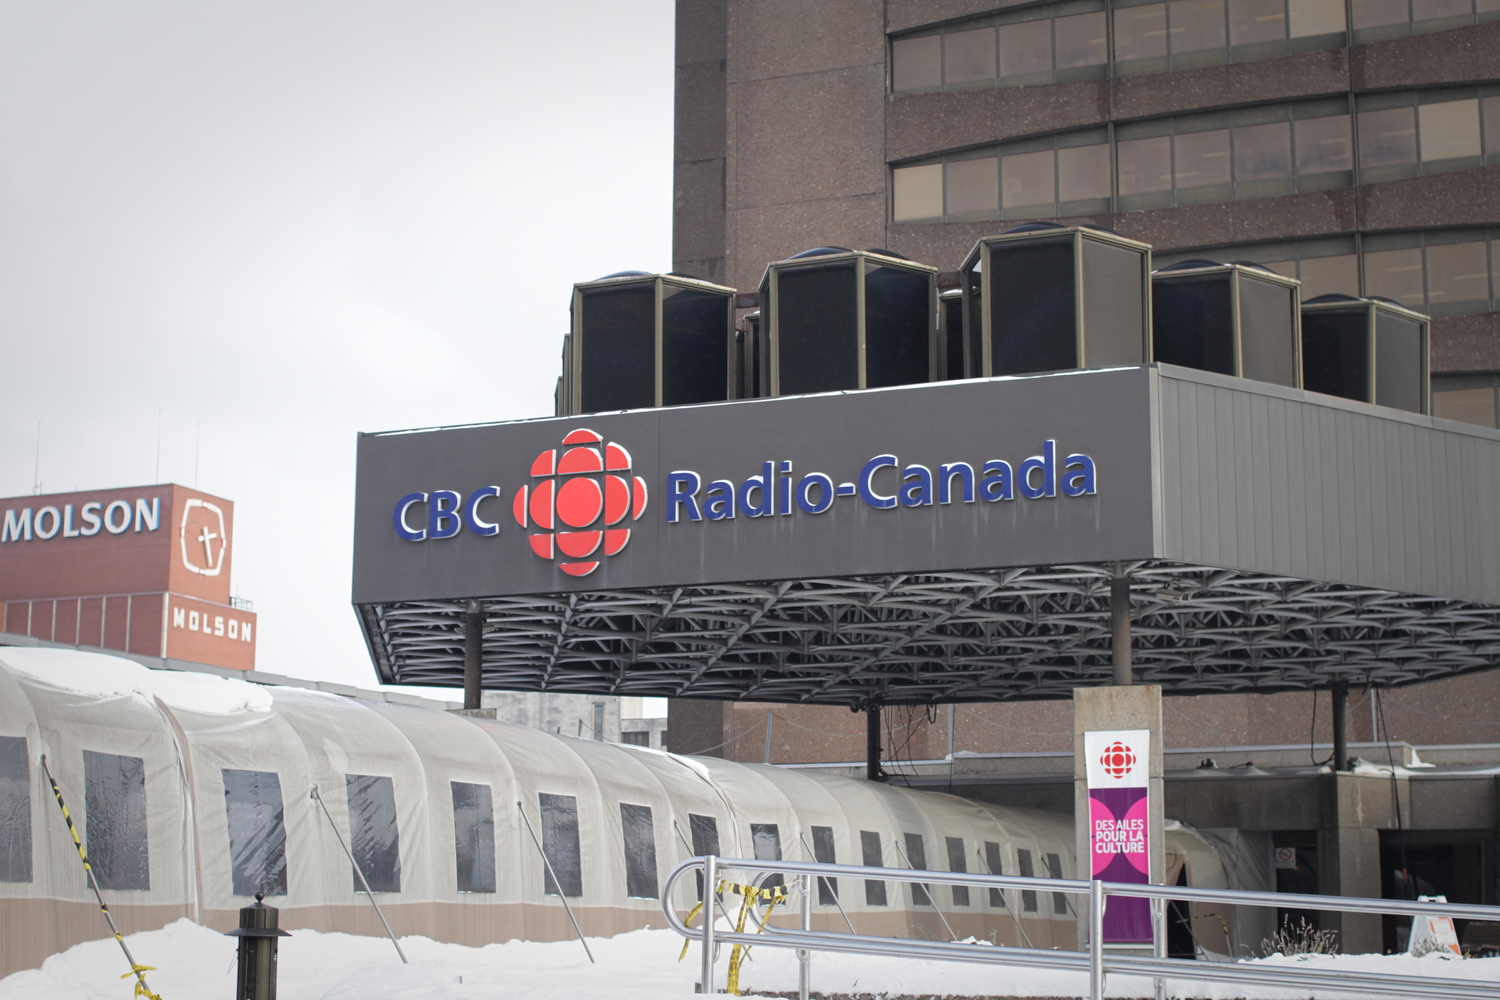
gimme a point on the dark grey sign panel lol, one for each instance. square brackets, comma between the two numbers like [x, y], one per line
[946, 476]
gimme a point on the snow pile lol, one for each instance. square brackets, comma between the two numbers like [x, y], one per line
[194, 963]
[99, 675]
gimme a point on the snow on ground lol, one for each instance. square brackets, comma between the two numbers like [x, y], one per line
[194, 963]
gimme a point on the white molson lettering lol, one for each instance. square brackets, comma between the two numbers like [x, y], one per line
[22, 525]
[229, 628]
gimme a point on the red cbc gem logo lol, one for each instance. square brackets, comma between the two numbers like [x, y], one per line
[1118, 760]
[576, 503]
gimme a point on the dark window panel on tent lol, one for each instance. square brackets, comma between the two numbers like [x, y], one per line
[823, 853]
[958, 863]
[1028, 896]
[473, 837]
[1059, 899]
[115, 820]
[15, 810]
[257, 832]
[766, 838]
[916, 857]
[373, 834]
[869, 844]
[705, 833]
[560, 844]
[640, 851]
[992, 862]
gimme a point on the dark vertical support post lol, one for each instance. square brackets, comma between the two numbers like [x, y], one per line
[1119, 628]
[872, 742]
[258, 931]
[473, 655]
[1340, 726]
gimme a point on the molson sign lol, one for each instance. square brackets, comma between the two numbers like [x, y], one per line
[976, 474]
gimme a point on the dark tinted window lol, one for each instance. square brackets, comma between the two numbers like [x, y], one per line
[898, 324]
[473, 837]
[992, 862]
[1059, 899]
[115, 820]
[618, 345]
[640, 851]
[1028, 896]
[823, 853]
[766, 839]
[1192, 322]
[1033, 314]
[257, 832]
[560, 844]
[958, 863]
[952, 311]
[1335, 352]
[373, 835]
[916, 856]
[639, 738]
[705, 832]
[869, 846]
[695, 347]
[817, 329]
[15, 810]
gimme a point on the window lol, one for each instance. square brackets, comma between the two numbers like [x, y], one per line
[257, 832]
[373, 834]
[992, 862]
[640, 851]
[916, 859]
[766, 839]
[1059, 899]
[1471, 398]
[599, 720]
[473, 837]
[115, 820]
[1028, 896]
[15, 810]
[958, 863]
[560, 845]
[640, 738]
[1048, 44]
[823, 854]
[871, 857]
[705, 833]
[1240, 154]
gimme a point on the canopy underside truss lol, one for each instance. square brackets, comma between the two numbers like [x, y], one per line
[1025, 633]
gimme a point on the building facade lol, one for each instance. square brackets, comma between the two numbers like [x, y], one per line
[144, 570]
[1353, 145]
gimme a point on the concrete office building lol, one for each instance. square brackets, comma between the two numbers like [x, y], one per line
[1355, 146]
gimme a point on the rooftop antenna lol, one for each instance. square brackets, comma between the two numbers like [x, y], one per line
[157, 478]
[36, 469]
[197, 438]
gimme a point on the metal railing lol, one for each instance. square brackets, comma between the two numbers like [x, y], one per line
[1095, 963]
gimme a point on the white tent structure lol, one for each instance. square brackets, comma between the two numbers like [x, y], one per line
[192, 793]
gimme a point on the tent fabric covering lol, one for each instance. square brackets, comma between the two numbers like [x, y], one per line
[200, 794]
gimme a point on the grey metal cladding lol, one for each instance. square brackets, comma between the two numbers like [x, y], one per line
[1104, 414]
[1295, 484]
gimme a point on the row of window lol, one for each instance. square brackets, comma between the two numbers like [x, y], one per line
[114, 823]
[1061, 42]
[1255, 152]
[1472, 397]
[1441, 272]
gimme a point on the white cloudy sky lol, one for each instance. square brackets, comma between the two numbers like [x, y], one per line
[292, 220]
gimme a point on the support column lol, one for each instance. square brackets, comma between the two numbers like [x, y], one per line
[1112, 707]
[1119, 629]
[873, 770]
[473, 655]
[1340, 726]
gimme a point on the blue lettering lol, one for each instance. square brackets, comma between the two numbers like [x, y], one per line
[471, 511]
[965, 473]
[1076, 484]
[761, 483]
[866, 488]
[718, 502]
[916, 486]
[682, 487]
[825, 493]
[442, 514]
[399, 518]
[996, 484]
[784, 489]
[1046, 464]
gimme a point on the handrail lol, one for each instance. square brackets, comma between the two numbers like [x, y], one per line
[1094, 963]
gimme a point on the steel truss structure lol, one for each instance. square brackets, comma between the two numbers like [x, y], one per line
[1028, 633]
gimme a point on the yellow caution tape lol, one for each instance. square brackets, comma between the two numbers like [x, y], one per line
[749, 896]
[140, 984]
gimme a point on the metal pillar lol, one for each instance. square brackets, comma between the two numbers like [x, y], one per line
[473, 655]
[1340, 726]
[873, 771]
[1119, 628]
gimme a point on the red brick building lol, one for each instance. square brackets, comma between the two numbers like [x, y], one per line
[143, 570]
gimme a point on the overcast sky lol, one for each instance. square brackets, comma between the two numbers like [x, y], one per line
[287, 222]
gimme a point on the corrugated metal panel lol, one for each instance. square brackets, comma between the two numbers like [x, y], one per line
[1279, 481]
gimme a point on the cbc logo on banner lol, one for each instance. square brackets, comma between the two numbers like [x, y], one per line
[574, 509]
